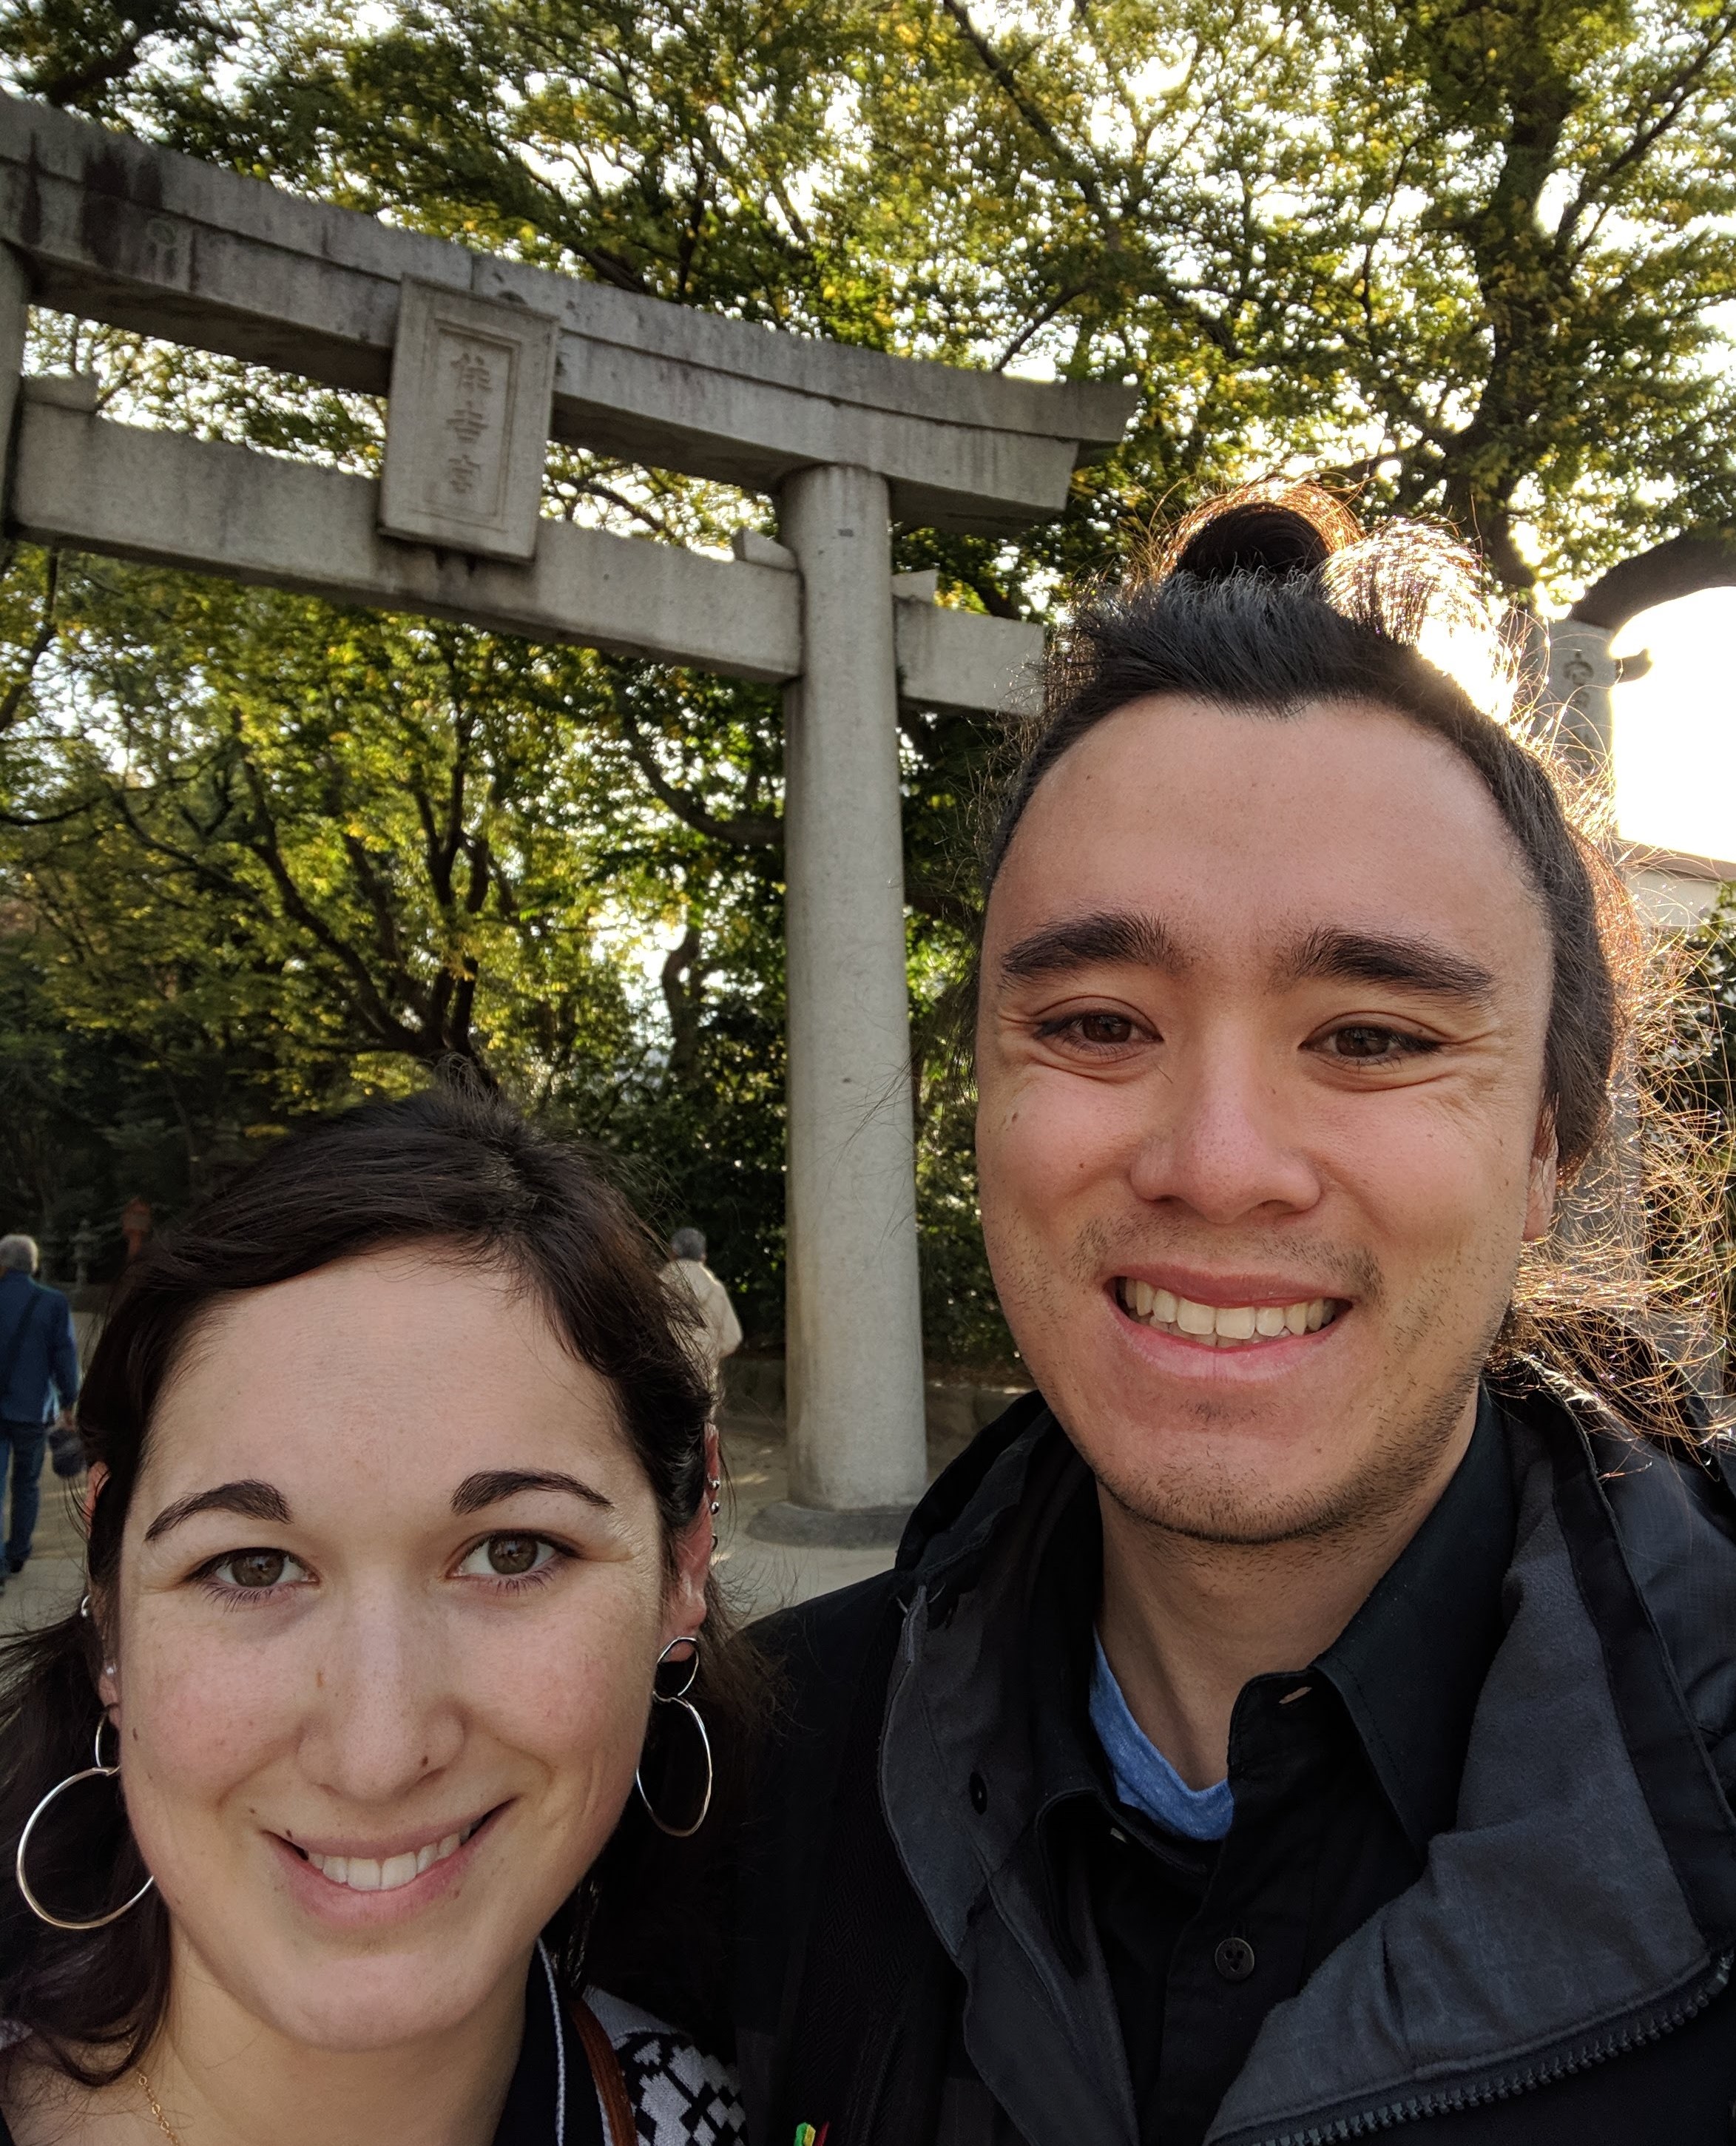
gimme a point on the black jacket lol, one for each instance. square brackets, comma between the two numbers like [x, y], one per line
[1558, 1973]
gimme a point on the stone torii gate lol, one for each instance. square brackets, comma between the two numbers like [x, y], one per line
[483, 360]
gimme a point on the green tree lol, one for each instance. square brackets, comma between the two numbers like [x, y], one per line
[1465, 257]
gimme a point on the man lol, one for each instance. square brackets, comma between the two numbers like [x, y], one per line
[720, 1330]
[1311, 1715]
[38, 1380]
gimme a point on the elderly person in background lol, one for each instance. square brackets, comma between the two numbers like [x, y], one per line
[38, 1380]
[721, 1331]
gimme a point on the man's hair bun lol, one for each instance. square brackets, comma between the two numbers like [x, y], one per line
[1276, 530]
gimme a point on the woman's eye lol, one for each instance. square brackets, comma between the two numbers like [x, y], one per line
[256, 1571]
[509, 1557]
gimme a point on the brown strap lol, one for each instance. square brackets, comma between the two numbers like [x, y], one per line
[611, 2088]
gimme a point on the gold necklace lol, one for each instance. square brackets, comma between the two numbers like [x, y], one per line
[163, 2125]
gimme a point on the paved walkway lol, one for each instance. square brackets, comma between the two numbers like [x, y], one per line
[52, 1581]
[758, 1576]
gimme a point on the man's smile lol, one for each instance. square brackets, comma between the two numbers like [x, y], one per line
[1249, 1325]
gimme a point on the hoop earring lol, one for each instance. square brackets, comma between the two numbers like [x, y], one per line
[95, 1771]
[680, 1698]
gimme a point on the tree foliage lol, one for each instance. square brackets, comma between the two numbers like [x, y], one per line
[1466, 258]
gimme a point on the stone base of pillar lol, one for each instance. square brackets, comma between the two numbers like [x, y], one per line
[814, 1527]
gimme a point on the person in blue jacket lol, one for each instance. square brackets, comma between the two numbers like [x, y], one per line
[38, 1381]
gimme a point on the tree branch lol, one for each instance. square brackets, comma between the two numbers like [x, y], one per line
[1036, 326]
[1668, 103]
[743, 832]
[264, 846]
[1038, 120]
[14, 694]
[941, 905]
[1678, 567]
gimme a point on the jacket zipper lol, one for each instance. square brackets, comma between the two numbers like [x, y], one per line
[1651, 2027]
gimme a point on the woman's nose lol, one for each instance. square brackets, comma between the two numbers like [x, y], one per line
[384, 1715]
[1225, 1138]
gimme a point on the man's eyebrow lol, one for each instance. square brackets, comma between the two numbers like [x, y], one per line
[1120, 935]
[491, 1484]
[1366, 957]
[252, 1499]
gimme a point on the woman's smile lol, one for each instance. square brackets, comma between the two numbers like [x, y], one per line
[383, 1881]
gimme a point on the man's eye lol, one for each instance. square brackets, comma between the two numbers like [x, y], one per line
[1363, 1040]
[256, 1571]
[509, 1557]
[1095, 1031]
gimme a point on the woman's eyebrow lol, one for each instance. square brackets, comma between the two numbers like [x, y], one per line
[252, 1499]
[492, 1484]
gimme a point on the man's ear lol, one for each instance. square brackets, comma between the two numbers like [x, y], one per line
[693, 1549]
[1545, 1183]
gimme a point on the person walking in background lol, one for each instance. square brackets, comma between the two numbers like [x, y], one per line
[38, 1380]
[721, 1333]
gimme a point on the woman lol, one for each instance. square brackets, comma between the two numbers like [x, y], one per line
[401, 1502]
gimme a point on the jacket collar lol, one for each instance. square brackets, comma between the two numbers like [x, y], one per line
[1584, 1893]
[965, 1777]
[1410, 1665]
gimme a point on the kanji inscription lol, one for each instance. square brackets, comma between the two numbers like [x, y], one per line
[472, 384]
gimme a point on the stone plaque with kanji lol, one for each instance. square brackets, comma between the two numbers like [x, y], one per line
[473, 383]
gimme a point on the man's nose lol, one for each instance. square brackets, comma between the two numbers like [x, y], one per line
[1225, 1138]
[384, 1714]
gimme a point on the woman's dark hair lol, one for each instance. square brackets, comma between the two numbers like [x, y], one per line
[454, 1169]
[1273, 597]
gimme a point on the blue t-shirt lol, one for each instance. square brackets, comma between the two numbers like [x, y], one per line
[1144, 1779]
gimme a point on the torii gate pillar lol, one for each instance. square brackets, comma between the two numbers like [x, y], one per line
[858, 1455]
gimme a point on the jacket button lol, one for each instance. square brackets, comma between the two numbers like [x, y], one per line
[979, 1794]
[1234, 1958]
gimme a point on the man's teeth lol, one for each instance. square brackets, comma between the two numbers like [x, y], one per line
[364, 1873]
[1215, 1324]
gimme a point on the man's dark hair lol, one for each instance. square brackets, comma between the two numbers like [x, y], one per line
[455, 1172]
[1267, 601]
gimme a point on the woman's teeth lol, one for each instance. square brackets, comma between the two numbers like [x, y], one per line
[1216, 1325]
[364, 1873]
